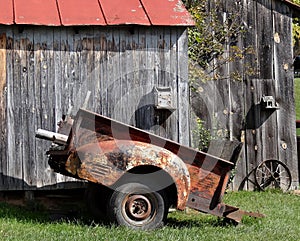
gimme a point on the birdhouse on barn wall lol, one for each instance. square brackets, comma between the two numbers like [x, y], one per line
[53, 52]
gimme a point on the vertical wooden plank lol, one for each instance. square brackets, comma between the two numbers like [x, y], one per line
[62, 105]
[136, 71]
[173, 132]
[141, 83]
[10, 134]
[250, 71]
[28, 109]
[183, 89]
[45, 98]
[110, 73]
[144, 117]
[260, 135]
[98, 59]
[57, 72]
[30, 169]
[103, 73]
[113, 69]
[64, 68]
[163, 79]
[168, 72]
[126, 75]
[15, 146]
[3, 108]
[100, 75]
[40, 147]
[222, 109]
[122, 53]
[283, 65]
[237, 112]
[75, 80]
[268, 139]
[86, 63]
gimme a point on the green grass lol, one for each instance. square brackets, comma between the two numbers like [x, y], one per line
[281, 223]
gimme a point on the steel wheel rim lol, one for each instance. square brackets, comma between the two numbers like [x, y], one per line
[138, 209]
[273, 174]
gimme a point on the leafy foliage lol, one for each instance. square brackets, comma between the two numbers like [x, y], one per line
[296, 36]
[201, 136]
[296, 33]
[214, 43]
[213, 40]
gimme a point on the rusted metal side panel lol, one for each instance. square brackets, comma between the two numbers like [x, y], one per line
[102, 150]
[114, 129]
[207, 188]
[124, 12]
[208, 174]
[6, 12]
[167, 13]
[90, 12]
[36, 12]
[106, 161]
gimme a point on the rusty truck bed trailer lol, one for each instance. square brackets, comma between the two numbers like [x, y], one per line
[123, 159]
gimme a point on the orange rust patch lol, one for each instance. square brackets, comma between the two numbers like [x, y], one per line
[203, 182]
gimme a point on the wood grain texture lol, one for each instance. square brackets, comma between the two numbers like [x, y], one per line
[50, 70]
[265, 70]
[3, 106]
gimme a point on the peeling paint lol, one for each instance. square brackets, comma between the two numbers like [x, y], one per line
[93, 154]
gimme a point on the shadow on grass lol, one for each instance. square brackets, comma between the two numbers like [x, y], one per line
[187, 222]
[36, 214]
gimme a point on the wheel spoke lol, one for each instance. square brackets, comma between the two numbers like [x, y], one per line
[272, 173]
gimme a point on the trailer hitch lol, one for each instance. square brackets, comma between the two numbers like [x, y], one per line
[235, 214]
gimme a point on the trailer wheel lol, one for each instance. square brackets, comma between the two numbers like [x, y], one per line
[136, 206]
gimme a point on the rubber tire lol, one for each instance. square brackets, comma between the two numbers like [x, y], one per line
[118, 199]
[96, 198]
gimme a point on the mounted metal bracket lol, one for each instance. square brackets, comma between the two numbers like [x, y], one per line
[163, 98]
[269, 103]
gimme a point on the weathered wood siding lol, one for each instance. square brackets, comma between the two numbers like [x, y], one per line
[237, 113]
[44, 71]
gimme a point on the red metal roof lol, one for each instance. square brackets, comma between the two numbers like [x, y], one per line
[75, 12]
[36, 12]
[167, 12]
[94, 12]
[124, 12]
[6, 12]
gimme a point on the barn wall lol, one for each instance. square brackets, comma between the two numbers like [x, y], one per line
[49, 71]
[271, 134]
[231, 107]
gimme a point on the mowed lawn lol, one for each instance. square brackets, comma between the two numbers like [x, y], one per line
[282, 222]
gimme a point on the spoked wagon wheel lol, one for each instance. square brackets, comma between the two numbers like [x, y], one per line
[137, 206]
[273, 174]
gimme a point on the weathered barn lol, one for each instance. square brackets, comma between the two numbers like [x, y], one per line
[53, 52]
[236, 108]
